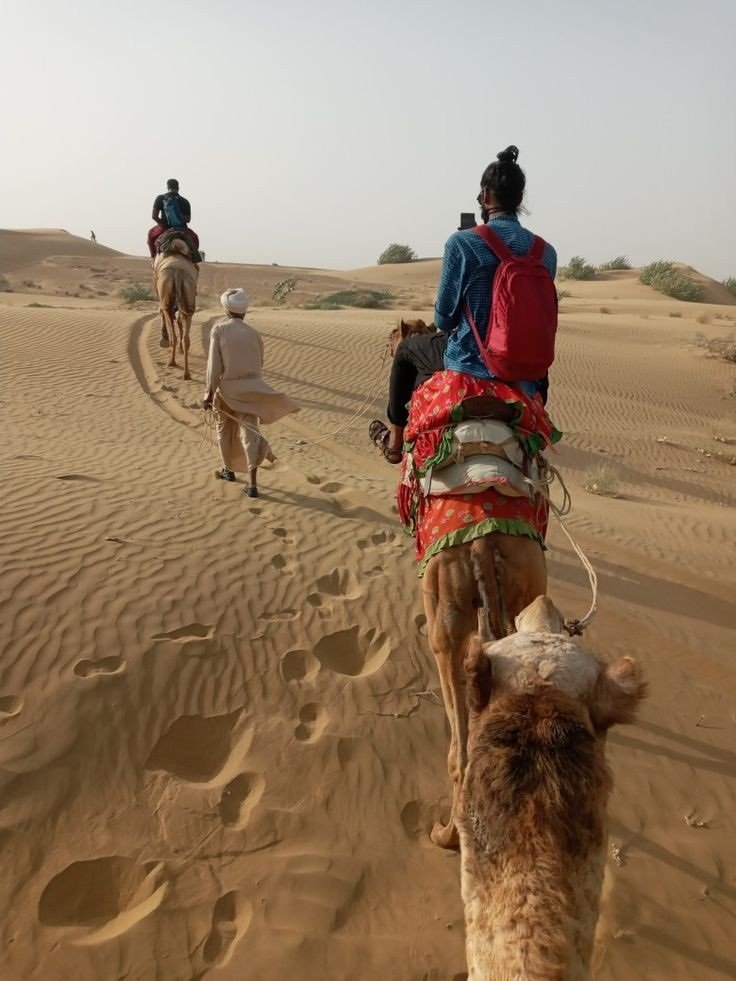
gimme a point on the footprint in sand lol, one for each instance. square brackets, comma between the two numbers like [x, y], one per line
[312, 723]
[332, 487]
[276, 616]
[299, 666]
[278, 562]
[10, 706]
[109, 895]
[201, 749]
[352, 652]
[230, 919]
[239, 798]
[378, 540]
[340, 584]
[283, 534]
[418, 819]
[87, 668]
[312, 479]
[190, 631]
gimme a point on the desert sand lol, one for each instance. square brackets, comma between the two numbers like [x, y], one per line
[222, 742]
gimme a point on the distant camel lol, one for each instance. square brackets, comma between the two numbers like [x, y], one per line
[408, 328]
[532, 809]
[175, 277]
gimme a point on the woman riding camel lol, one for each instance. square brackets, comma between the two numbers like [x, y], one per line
[497, 305]
[469, 267]
[239, 395]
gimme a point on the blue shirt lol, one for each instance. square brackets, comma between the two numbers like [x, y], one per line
[468, 270]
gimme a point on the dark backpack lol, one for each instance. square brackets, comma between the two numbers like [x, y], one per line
[519, 342]
[172, 214]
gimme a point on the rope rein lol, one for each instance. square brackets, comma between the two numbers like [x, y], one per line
[542, 486]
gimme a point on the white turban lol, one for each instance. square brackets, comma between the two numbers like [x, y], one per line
[235, 301]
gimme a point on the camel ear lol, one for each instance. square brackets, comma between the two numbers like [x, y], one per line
[540, 617]
[617, 694]
[403, 329]
[478, 677]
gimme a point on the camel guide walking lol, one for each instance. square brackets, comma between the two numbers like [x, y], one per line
[239, 395]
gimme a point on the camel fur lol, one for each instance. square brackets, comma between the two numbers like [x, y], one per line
[532, 807]
[175, 277]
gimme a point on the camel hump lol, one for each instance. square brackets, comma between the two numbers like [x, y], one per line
[541, 616]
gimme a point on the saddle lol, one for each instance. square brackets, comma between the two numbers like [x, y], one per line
[488, 407]
[164, 244]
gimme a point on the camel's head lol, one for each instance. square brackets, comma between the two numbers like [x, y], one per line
[539, 664]
[408, 328]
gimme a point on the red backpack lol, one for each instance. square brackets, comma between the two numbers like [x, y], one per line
[520, 340]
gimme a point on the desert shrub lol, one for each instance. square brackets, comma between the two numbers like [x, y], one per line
[282, 289]
[619, 262]
[663, 276]
[730, 284]
[563, 294]
[577, 268]
[675, 313]
[29, 284]
[604, 309]
[601, 479]
[364, 299]
[396, 253]
[718, 347]
[5, 286]
[134, 293]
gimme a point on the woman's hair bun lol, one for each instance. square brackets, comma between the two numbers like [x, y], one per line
[509, 155]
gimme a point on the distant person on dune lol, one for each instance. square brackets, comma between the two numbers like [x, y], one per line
[92, 238]
[171, 211]
[240, 397]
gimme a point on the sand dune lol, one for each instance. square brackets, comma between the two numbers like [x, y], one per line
[221, 733]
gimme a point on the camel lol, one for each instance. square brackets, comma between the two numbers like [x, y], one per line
[175, 277]
[451, 595]
[408, 328]
[532, 807]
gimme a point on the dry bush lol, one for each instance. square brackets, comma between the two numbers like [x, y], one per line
[602, 479]
[718, 347]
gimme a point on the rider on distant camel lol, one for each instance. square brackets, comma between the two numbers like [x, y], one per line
[171, 211]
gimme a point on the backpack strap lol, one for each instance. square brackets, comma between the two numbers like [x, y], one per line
[496, 244]
[537, 249]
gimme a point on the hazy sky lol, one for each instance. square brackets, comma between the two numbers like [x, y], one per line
[315, 133]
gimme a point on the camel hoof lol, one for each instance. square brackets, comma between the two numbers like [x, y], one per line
[445, 835]
[163, 342]
[187, 376]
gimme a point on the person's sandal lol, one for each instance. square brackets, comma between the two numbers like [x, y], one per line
[378, 433]
[250, 491]
[392, 456]
[225, 475]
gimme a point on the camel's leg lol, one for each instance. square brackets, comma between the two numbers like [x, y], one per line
[164, 340]
[185, 324]
[170, 321]
[448, 592]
